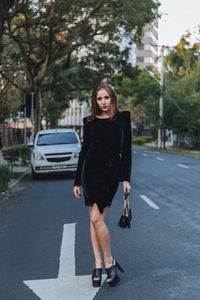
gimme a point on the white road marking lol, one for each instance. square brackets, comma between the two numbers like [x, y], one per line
[145, 154]
[158, 158]
[157, 152]
[67, 286]
[149, 202]
[134, 152]
[183, 166]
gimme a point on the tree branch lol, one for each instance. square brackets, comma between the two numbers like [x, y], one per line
[49, 62]
[42, 74]
[11, 81]
[23, 52]
[4, 91]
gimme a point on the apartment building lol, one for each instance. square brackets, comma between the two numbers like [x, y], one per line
[147, 52]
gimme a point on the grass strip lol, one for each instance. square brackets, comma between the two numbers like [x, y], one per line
[173, 151]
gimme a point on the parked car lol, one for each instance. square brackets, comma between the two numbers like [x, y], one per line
[55, 150]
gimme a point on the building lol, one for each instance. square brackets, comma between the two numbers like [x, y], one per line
[72, 117]
[147, 52]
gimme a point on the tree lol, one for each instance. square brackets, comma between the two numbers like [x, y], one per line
[47, 31]
[9, 102]
[5, 5]
[140, 93]
[182, 58]
[182, 108]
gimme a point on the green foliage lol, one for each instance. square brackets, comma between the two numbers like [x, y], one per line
[182, 58]
[10, 155]
[140, 93]
[39, 36]
[24, 152]
[182, 110]
[141, 140]
[4, 177]
[10, 100]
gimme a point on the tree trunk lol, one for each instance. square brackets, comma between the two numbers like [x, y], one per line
[179, 141]
[38, 109]
[164, 138]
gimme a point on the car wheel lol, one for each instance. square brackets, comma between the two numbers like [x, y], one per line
[35, 176]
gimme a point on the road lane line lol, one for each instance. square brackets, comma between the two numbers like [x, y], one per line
[158, 158]
[145, 154]
[67, 255]
[183, 166]
[149, 202]
[134, 152]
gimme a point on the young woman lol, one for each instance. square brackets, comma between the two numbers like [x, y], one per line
[104, 160]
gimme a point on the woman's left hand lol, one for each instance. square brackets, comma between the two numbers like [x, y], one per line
[126, 187]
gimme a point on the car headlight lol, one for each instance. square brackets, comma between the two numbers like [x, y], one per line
[38, 156]
[76, 154]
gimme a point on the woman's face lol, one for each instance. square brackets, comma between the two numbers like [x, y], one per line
[104, 100]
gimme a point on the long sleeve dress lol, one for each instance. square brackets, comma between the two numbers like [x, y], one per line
[105, 158]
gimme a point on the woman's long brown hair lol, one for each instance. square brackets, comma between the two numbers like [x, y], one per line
[96, 109]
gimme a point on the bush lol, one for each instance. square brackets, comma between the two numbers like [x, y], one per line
[140, 140]
[10, 155]
[13, 153]
[4, 177]
[24, 152]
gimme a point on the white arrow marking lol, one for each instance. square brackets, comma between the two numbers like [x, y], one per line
[67, 286]
[149, 202]
[183, 166]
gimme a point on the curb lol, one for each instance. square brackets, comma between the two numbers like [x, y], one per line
[12, 185]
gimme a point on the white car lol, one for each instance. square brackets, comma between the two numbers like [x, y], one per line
[55, 150]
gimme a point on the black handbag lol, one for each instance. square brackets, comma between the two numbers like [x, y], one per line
[126, 217]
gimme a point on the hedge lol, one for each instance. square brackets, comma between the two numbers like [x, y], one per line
[4, 177]
[24, 152]
[13, 153]
[140, 140]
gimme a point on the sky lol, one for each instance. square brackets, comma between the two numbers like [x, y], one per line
[177, 17]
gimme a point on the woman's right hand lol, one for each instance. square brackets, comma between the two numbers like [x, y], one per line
[77, 191]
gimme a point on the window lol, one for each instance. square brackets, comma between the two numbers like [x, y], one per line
[57, 138]
[141, 47]
[140, 59]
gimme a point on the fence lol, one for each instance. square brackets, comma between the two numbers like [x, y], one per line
[10, 136]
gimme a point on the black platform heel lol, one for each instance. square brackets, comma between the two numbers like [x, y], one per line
[112, 273]
[97, 273]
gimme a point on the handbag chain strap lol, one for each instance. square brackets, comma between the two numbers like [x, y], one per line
[126, 204]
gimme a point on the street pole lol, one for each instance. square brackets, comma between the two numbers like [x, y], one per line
[160, 144]
[32, 117]
[25, 119]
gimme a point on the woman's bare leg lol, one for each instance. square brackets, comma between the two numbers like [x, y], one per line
[100, 235]
[96, 247]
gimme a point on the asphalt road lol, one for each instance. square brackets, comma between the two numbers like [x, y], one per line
[160, 252]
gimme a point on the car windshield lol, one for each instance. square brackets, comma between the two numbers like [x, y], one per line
[57, 138]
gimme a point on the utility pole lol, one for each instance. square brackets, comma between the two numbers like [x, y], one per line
[25, 119]
[160, 143]
[32, 117]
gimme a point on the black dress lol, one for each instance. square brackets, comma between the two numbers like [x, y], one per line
[105, 158]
